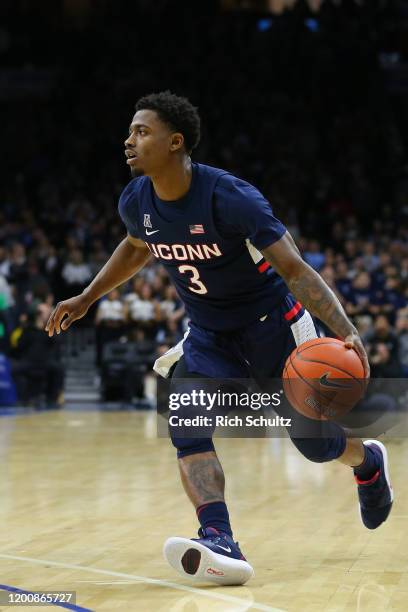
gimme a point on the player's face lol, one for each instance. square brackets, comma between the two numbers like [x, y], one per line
[149, 145]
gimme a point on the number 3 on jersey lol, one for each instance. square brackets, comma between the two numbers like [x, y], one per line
[197, 285]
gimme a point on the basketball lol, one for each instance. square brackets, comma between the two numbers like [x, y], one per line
[323, 379]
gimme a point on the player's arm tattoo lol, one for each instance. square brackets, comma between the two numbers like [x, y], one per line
[311, 290]
[202, 477]
[308, 286]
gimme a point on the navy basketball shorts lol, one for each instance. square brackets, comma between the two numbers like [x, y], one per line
[257, 351]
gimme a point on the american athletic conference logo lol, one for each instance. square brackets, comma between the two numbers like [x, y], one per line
[147, 222]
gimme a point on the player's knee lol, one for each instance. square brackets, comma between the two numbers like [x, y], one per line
[321, 450]
[192, 446]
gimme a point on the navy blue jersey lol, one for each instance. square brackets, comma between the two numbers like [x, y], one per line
[209, 243]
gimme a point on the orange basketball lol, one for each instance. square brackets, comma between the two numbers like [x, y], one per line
[322, 379]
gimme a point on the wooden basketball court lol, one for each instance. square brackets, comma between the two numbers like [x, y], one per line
[88, 498]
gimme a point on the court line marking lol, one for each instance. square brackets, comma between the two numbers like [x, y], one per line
[164, 583]
[102, 582]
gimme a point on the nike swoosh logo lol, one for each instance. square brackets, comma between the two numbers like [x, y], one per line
[325, 382]
[226, 548]
[150, 233]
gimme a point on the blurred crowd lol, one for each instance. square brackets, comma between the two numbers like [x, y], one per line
[372, 284]
[302, 112]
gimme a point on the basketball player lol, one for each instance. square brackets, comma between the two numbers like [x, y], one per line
[249, 296]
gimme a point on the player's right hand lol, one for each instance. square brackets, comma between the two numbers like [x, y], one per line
[353, 341]
[65, 313]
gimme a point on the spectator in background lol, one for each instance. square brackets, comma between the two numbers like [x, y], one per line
[383, 350]
[158, 286]
[36, 366]
[137, 283]
[404, 269]
[76, 273]
[144, 312]
[364, 324]
[173, 332]
[52, 268]
[45, 306]
[370, 257]
[5, 297]
[110, 321]
[4, 262]
[401, 327]
[344, 279]
[391, 298]
[98, 257]
[171, 312]
[350, 250]
[313, 255]
[35, 285]
[382, 363]
[361, 295]
[18, 268]
[50, 260]
[379, 274]
[171, 306]
[329, 257]
[5, 291]
[329, 275]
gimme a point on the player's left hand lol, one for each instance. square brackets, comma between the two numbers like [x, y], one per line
[353, 341]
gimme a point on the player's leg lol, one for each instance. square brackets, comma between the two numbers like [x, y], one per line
[204, 482]
[369, 461]
[201, 472]
[213, 555]
[353, 454]
[326, 441]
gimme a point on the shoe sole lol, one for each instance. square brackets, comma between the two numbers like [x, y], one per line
[384, 453]
[194, 560]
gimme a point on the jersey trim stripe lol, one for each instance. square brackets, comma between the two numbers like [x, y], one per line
[293, 312]
[264, 266]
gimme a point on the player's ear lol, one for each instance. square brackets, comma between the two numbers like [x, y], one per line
[176, 142]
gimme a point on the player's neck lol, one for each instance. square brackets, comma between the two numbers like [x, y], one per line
[174, 181]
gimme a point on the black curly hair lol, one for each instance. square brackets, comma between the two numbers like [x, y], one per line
[177, 112]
